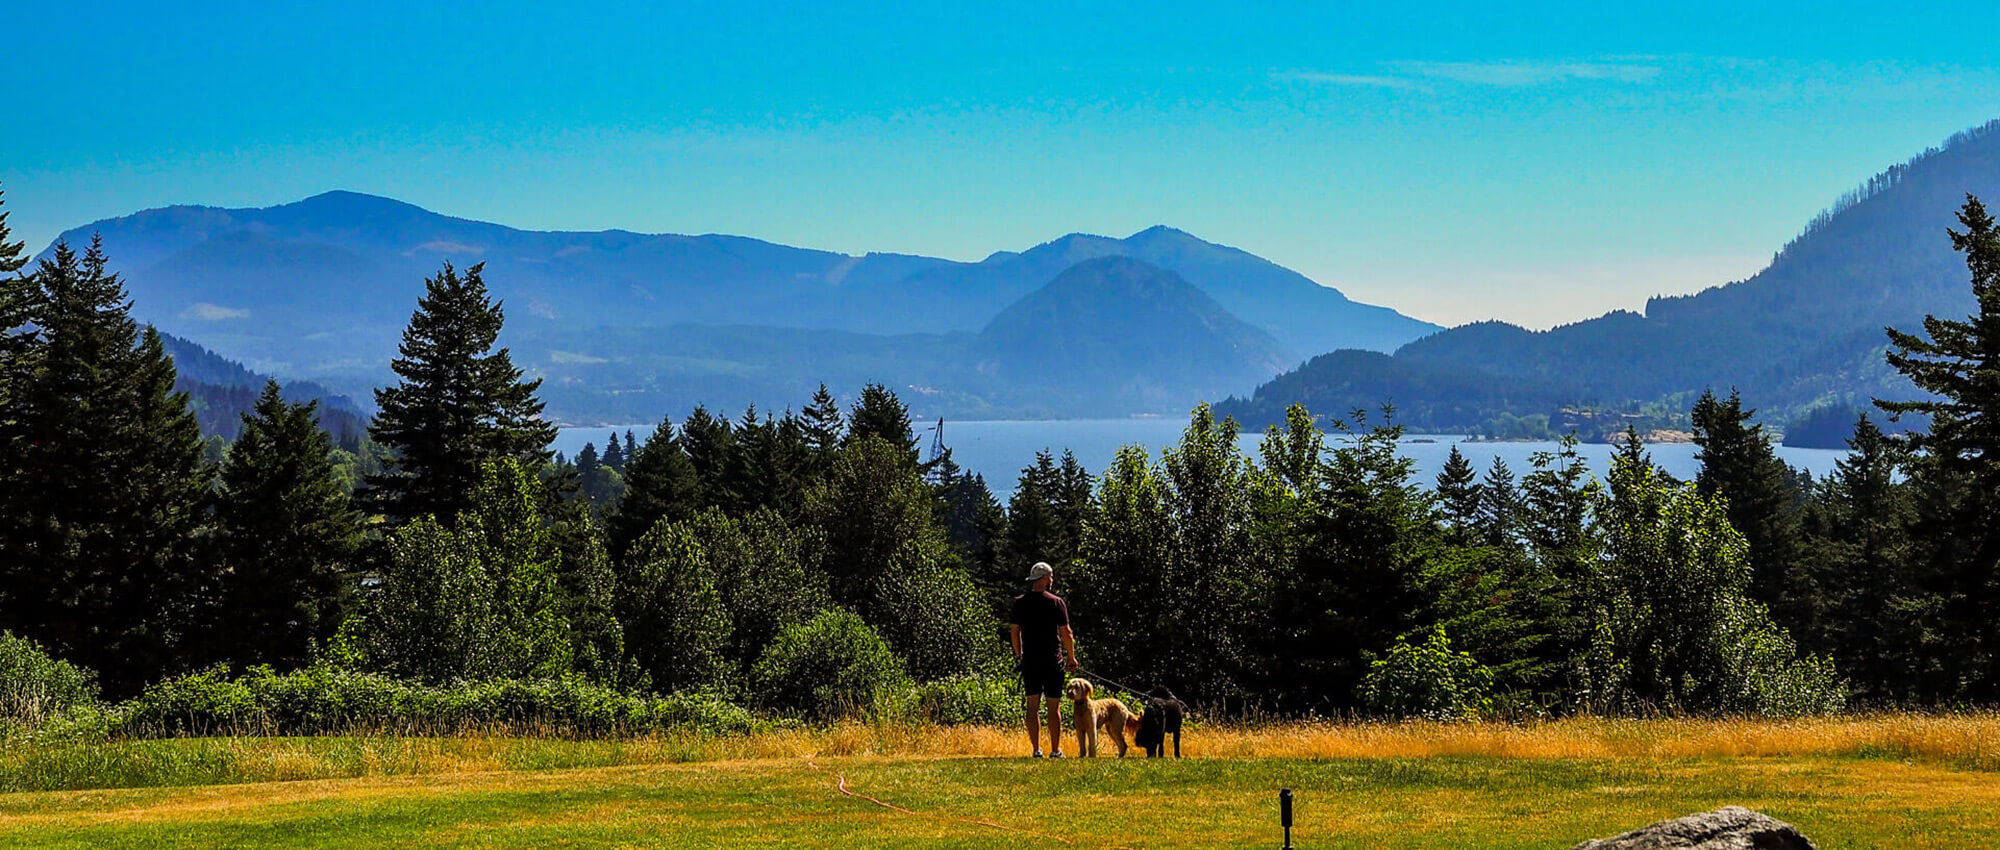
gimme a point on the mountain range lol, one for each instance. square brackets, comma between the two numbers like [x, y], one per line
[1802, 336]
[624, 326]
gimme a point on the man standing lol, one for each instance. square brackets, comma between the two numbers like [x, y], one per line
[1044, 650]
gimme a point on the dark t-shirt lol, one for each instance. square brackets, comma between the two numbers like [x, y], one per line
[1040, 613]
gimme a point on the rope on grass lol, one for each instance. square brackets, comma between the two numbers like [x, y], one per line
[842, 786]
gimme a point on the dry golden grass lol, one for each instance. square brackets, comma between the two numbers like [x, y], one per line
[1968, 740]
[1965, 740]
[1882, 780]
[992, 802]
[1960, 741]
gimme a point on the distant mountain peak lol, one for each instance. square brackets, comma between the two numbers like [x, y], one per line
[1161, 231]
[1122, 324]
[342, 201]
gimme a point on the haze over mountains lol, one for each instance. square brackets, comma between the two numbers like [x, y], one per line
[1806, 332]
[625, 326]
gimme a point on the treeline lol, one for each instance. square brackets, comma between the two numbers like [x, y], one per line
[816, 562]
[736, 554]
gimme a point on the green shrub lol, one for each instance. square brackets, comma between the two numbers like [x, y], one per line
[35, 687]
[989, 698]
[830, 666]
[326, 700]
[1431, 681]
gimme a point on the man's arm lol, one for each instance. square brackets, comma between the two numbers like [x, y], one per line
[1014, 634]
[1069, 648]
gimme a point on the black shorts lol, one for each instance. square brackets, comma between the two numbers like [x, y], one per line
[1044, 676]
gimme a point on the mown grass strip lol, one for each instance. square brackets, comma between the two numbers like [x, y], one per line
[1395, 803]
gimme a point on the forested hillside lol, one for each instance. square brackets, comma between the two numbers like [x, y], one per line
[1805, 332]
[221, 391]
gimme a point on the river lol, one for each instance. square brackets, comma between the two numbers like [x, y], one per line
[999, 449]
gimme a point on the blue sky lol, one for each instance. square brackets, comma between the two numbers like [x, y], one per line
[1539, 163]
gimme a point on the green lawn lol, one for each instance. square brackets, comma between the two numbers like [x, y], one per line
[1438, 802]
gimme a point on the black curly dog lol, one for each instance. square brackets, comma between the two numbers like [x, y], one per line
[1160, 719]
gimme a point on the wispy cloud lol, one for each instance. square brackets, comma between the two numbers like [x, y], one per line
[1375, 80]
[1509, 73]
[445, 246]
[1527, 73]
[213, 312]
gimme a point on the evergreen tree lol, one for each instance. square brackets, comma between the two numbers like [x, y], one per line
[614, 454]
[1956, 464]
[1858, 529]
[825, 429]
[17, 335]
[1046, 516]
[1499, 506]
[1458, 493]
[976, 525]
[878, 413]
[1739, 465]
[1554, 511]
[1032, 533]
[12, 257]
[457, 406]
[710, 444]
[101, 483]
[16, 294]
[769, 469]
[630, 448]
[889, 561]
[284, 533]
[660, 484]
[595, 480]
[1564, 546]
[1354, 584]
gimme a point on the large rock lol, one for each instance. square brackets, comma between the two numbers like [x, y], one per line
[1727, 828]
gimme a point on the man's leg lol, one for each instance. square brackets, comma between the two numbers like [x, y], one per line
[1055, 724]
[1033, 722]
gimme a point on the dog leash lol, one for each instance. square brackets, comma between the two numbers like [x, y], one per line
[1127, 688]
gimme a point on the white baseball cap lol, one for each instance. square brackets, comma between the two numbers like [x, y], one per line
[1040, 569]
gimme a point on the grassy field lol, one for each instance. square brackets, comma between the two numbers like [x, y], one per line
[1872, 782]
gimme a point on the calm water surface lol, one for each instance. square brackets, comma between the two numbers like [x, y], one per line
[998, 450]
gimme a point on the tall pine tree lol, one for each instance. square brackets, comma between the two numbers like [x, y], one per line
[1858, 532]
[284, 533]
[825, 428]
[710, 445]
[660, 484]
[614, 454]
[878, 413]
[1957, 463]
[12, 259]
[15, 295]
[1739, 465]
[1459, 495]
[101, 483]
[459, 404]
